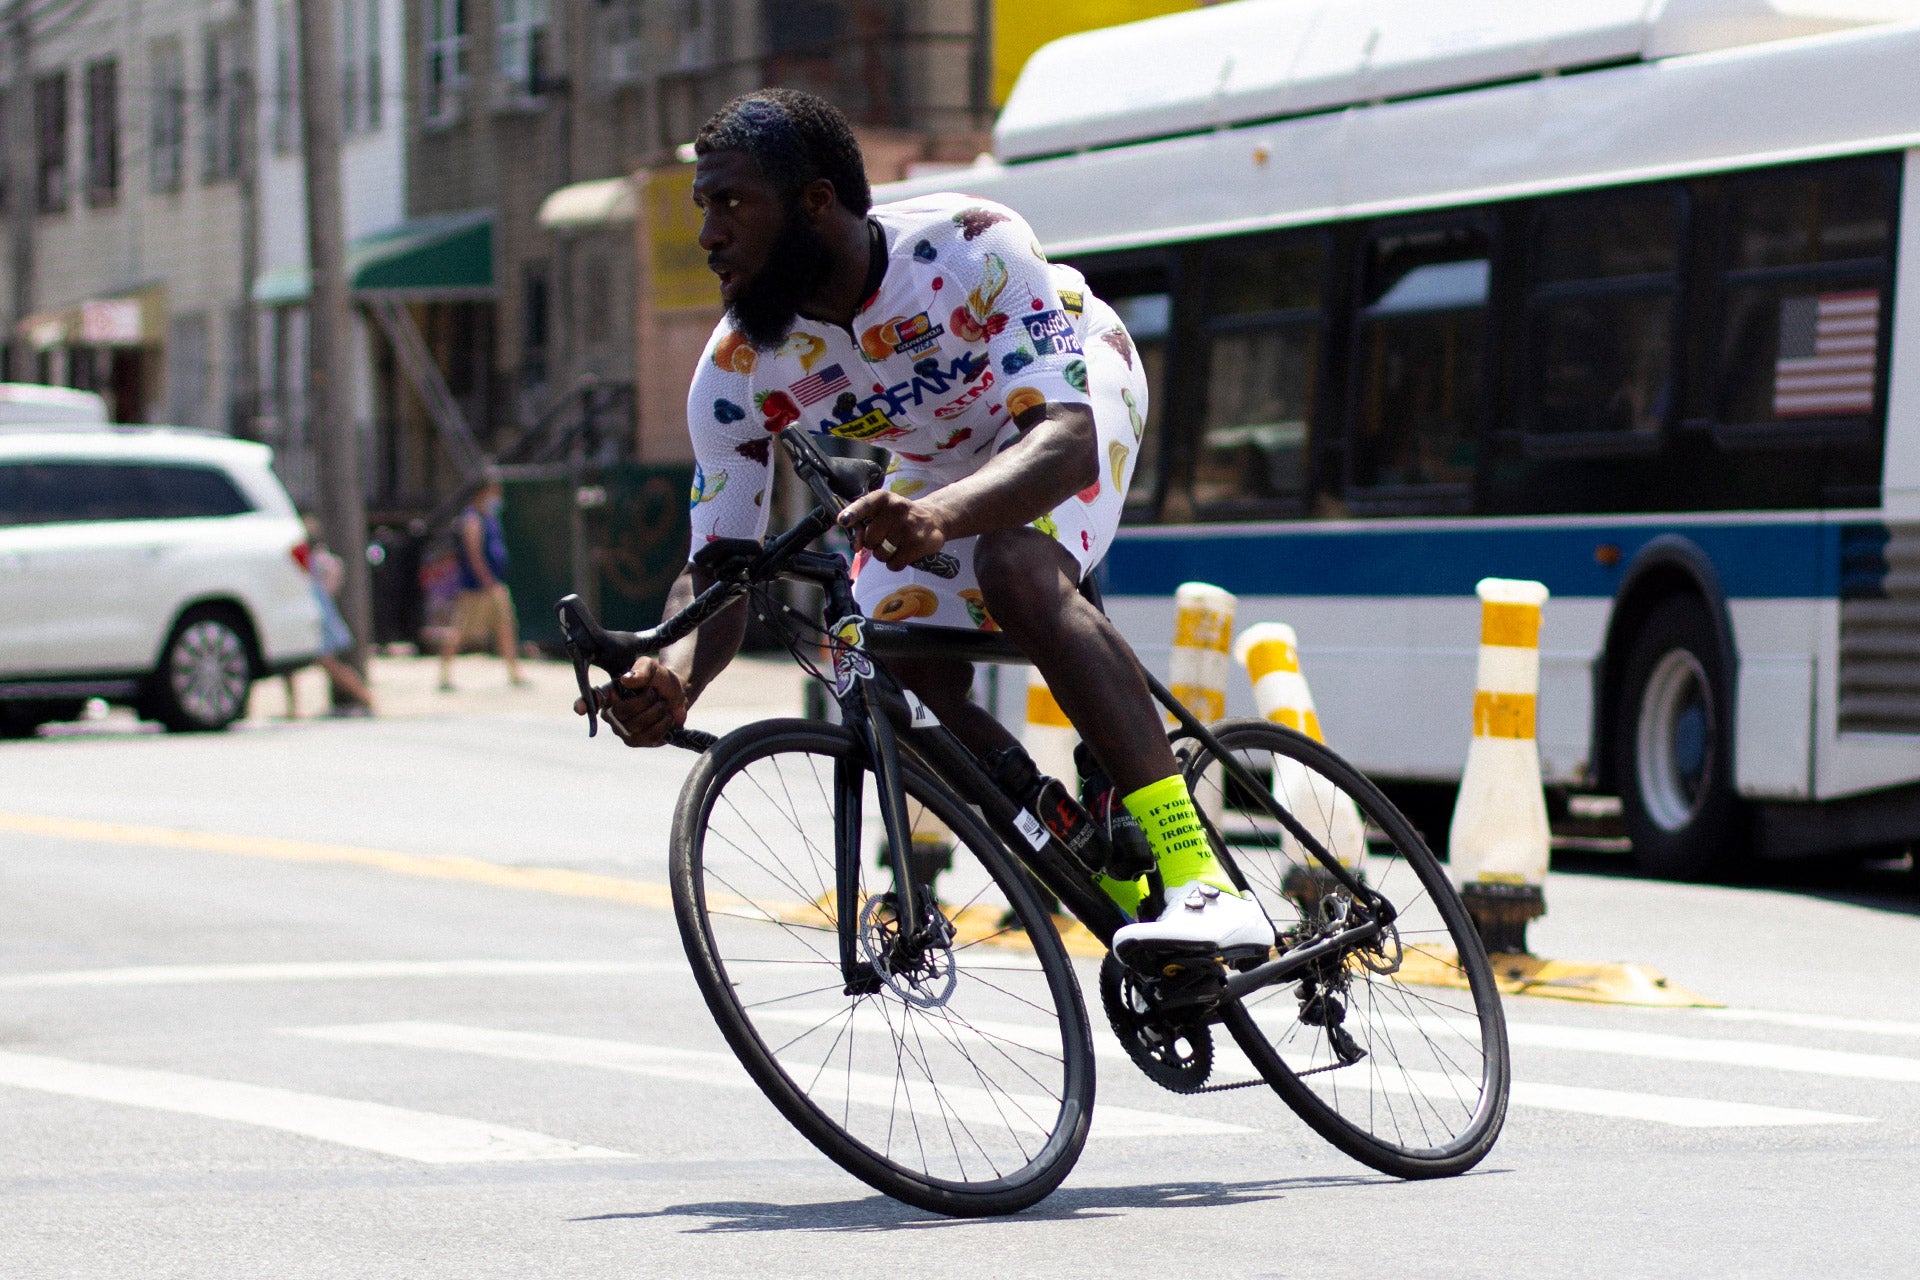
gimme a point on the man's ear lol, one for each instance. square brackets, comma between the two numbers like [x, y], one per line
[818, 199]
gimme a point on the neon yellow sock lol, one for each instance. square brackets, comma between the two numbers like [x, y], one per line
[1165, 813]
[1126, 893]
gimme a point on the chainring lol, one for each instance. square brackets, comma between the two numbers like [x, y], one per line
[1177, 1056]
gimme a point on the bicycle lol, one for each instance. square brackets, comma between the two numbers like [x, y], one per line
[922, 1023]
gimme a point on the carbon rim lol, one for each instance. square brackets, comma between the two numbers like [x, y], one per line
[1396, 1054]
[983, 1091]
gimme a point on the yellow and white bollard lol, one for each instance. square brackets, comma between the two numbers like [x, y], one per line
[1049, 735]
[1202, 638]
[1271, 654]
[1499, 841]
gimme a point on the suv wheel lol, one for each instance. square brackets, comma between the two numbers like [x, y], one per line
[204, 675]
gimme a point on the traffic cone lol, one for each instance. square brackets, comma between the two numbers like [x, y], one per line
[1202, 638]
[1049, 737]
[1271, 654]
[1499, 841]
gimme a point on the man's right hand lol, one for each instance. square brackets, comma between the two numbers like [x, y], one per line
[642, 706]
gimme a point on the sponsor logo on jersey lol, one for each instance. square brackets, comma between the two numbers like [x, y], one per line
[1074, 301]
[929, 382]
[1052, 333]
[873, 425]
[966, 401]
[902, 337]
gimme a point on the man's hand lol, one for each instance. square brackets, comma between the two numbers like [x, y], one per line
[896, 531]
[642, 706]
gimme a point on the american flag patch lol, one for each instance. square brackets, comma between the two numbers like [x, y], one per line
[1828, 355]
[816, 387]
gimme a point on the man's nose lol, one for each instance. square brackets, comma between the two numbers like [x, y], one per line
[711, 237]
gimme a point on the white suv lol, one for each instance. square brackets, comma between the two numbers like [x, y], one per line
[155, 568]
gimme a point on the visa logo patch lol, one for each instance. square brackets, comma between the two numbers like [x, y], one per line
[1051, 333]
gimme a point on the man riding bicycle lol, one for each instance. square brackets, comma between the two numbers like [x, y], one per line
[1013, 405]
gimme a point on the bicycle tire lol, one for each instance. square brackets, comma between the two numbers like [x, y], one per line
[1428, 1096]
[987, 1112]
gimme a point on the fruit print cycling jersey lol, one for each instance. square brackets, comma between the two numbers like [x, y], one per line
[969, 327]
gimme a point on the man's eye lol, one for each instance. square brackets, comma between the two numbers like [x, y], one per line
[733, 202]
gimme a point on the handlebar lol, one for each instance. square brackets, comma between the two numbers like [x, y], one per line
[737, 565]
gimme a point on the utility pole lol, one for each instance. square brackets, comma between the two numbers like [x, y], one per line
[343, 510]
[23, 188]
[245, 395]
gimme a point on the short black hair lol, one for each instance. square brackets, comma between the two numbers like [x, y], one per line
[795, 137]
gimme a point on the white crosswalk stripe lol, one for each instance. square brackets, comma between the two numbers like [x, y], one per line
[369, 1126]
[1032, 1113]
[1230, 1063]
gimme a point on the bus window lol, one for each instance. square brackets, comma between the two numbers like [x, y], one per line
[1263, 352]
[1600, 315]
[1420, 341]
[1140, 294]
[1805, 272]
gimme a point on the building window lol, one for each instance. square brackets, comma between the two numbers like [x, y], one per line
[1263, 347]
[286, 79]
[693, 33]
[50, 142]
[623, 33]
[103, 132]
[521, 48]
[1600, 311]
[533, 326]
[1421, 345]
[372, 74]
[167, 116]
[1805, 268]
[188, 366]
[445, 25]
[220, 104]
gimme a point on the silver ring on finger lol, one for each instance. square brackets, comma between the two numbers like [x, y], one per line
[886, 547]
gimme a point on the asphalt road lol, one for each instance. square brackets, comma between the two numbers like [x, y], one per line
[299, 1000]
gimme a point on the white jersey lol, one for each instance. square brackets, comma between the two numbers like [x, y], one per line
[969, 327]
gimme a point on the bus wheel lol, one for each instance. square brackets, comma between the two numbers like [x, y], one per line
[1672, 745]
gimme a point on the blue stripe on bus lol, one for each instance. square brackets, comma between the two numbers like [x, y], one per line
[1754, 561]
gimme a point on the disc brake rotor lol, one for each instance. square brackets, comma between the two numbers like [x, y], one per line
[923, 975]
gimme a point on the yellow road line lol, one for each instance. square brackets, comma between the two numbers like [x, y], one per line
[429, 866]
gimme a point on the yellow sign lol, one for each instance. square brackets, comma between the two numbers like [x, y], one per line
[676, 264]
[1020, 27]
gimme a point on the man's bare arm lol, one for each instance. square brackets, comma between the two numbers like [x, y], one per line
[1054, 458]
[652, 699]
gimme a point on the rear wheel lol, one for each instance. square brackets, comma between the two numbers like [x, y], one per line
[957, 1077]
[1395, 1052]
[1672, 744]
[205, 673]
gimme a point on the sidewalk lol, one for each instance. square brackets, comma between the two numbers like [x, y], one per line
[408, 688]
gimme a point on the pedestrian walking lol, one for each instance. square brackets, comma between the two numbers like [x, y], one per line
[483, 606]
[325, 573]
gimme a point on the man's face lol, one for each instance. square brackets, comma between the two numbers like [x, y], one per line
[767, 253]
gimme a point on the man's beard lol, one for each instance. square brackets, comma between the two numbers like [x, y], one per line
[765, 307]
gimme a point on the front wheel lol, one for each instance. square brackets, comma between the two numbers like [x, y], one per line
[1395, 1051]
[955, 1077]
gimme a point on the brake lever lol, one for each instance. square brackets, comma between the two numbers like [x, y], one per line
[569, 618]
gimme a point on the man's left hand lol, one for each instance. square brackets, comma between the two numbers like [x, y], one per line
[896, 531]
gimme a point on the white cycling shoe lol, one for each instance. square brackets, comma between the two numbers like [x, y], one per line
[1199, 919]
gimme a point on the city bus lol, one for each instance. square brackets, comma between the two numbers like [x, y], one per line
[1601, 295]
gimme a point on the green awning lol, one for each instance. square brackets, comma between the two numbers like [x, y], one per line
[448, 257]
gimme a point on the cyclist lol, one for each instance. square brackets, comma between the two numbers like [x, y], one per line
[1013, 405]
